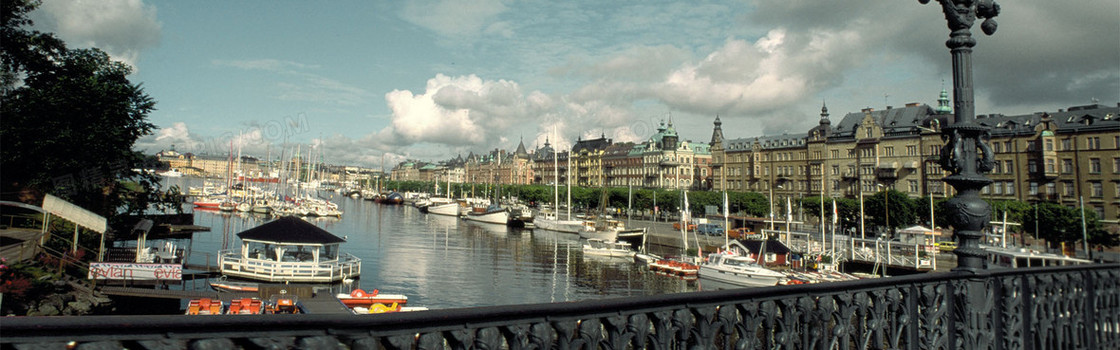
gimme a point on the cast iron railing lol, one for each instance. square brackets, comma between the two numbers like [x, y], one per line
[1071, 307]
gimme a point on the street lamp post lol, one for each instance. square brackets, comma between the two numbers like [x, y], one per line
[965, 138]
[886, 208]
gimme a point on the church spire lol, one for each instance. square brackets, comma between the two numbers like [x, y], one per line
[943, 106]
[824, 114]
[717, 133]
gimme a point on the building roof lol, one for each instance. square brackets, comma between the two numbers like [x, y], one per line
[290, 229]
[592, 145]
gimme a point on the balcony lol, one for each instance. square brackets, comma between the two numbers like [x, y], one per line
[1068, 307]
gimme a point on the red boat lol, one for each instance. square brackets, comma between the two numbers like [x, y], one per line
[207, 202]
[245, 306]
[362, 298]
[675, 267]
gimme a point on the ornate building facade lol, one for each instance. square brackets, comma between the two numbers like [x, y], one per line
[1060, 156]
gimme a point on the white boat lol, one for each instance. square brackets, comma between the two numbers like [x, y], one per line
[289, 249]
[738, 270]
[598, 247]
[172, 173]
[493, 214]
[449, 209]
[609, 230]
[552, 223]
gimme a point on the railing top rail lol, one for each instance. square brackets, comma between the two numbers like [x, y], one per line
[89, 328]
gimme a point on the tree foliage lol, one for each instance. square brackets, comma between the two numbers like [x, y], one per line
[1058, 223]
[71, 117]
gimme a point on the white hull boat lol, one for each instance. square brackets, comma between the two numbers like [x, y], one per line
[738, 270]
[497, 215]
[449, 209]
[598, 247]
[551, 223]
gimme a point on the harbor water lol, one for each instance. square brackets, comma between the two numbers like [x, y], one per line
[445, 262]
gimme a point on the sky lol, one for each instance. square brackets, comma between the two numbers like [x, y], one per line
[372, 83]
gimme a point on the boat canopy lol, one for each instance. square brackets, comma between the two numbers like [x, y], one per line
[290, 230]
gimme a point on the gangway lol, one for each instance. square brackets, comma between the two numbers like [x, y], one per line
[871, 251]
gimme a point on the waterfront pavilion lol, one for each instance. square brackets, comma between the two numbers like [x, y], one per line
[289, 249]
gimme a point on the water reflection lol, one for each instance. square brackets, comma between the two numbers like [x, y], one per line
[441, 261]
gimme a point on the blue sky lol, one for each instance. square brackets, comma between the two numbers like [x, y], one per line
[364, 81]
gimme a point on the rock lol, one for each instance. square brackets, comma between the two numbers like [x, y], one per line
[47, 309]
[78, 307]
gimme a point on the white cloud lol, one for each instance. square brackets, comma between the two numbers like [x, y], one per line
[121, 28]
[462, 19]
[460, 111]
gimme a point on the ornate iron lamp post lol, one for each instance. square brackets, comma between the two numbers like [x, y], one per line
[966, 154]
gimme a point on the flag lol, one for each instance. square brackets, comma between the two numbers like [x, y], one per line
[789, 209]
[685, 215]
[835, 214]
[726, 207]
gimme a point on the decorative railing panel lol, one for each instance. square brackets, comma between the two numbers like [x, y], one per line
[1073, 307]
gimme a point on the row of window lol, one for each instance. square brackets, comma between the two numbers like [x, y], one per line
[1096, 189]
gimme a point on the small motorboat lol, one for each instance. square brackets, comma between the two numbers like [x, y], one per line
[361, 298]
[283, 303]
[224, 285]
[204, 306]
[245, 306]
[674, 267]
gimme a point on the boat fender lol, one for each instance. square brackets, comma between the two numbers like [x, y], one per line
[358, 293]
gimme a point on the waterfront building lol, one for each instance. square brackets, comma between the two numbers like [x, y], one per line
[587, 156]
[1045, 156]
[671, 163]
[622, 164]
[549, 165]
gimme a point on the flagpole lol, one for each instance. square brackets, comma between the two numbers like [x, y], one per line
[726, 222]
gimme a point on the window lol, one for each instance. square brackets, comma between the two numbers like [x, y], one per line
[1050, 167]
[1097, 189]
[1010, 188]
[835, 170]
[911, 150]
[997, 167]
[1094, 165]
[869, 132]
[997, 188]
[1093, 142]
[835, 153]
[1070, 190]
[914, 186]
[1066, 145]
[888, 151]
[995, 147]
[1032, 166]
[1116, 165]
[1034, 188]
[1049, 145]
[1099, 210]
[1067, 166]
[1007, 146]
[1010, 166]
[1051, 188]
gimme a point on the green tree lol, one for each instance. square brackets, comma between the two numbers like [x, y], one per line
[71, 117]
[890, 206]
[1058, 223]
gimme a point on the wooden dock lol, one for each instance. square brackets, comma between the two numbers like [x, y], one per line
[320, 303]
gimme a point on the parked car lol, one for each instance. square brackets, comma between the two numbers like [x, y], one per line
[947, 246]
[709, 229]
[677, 226]
[741, 232]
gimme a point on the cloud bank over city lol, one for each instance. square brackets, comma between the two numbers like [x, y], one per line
[431, 80]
